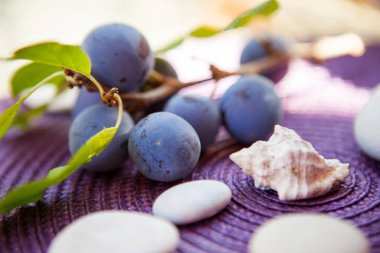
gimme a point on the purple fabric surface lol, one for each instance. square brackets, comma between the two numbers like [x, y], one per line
[320, 105]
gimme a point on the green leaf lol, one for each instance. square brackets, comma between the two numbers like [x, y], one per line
[25, 78]
[33, 191]
[56, 54]
[172, 45]
[29, 75]
[7, 117]
[204, 31]
[22, 119]
[264, 9]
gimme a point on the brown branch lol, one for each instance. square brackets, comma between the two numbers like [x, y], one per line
[171, 86]
[262, 65]
[162, 86]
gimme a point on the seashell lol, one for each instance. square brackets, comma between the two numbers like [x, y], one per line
[290, 165]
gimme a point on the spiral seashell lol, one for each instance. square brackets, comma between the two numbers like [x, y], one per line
[290, 165]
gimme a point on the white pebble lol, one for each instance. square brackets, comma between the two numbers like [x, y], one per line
[116, 232]
[367, 126]
[193, 201]
[311, 233]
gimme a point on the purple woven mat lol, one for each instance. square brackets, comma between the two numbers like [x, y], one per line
[320, 106]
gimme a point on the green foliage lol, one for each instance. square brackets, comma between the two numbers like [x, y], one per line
[22, 119]
[25, 78]
[172, 45]
[204, 32]
[29, 75]
[47, 58]
[56, 54]
[33, 191]
[7, 117]
[264, 9]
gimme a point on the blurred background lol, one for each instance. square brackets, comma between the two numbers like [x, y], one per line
[27, 21]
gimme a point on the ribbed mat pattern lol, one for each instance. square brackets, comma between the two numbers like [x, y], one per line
[320, 103]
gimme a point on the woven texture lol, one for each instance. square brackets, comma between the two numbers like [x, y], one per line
[320, 103]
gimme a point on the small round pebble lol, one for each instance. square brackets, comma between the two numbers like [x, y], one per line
[367, 126]
[308, 233]
[192, 201]
[116, 232]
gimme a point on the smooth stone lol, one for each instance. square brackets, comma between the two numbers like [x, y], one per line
[192, 201]
[116, 232]
[307, 232]
[367, 126]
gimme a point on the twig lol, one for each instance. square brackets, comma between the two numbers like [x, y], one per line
[165, 86]
[261, 65]
[171, 86]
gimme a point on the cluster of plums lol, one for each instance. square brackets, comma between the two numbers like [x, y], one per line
[166, 144]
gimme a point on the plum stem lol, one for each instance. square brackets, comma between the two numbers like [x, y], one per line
[120, 107]
[99, 87]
